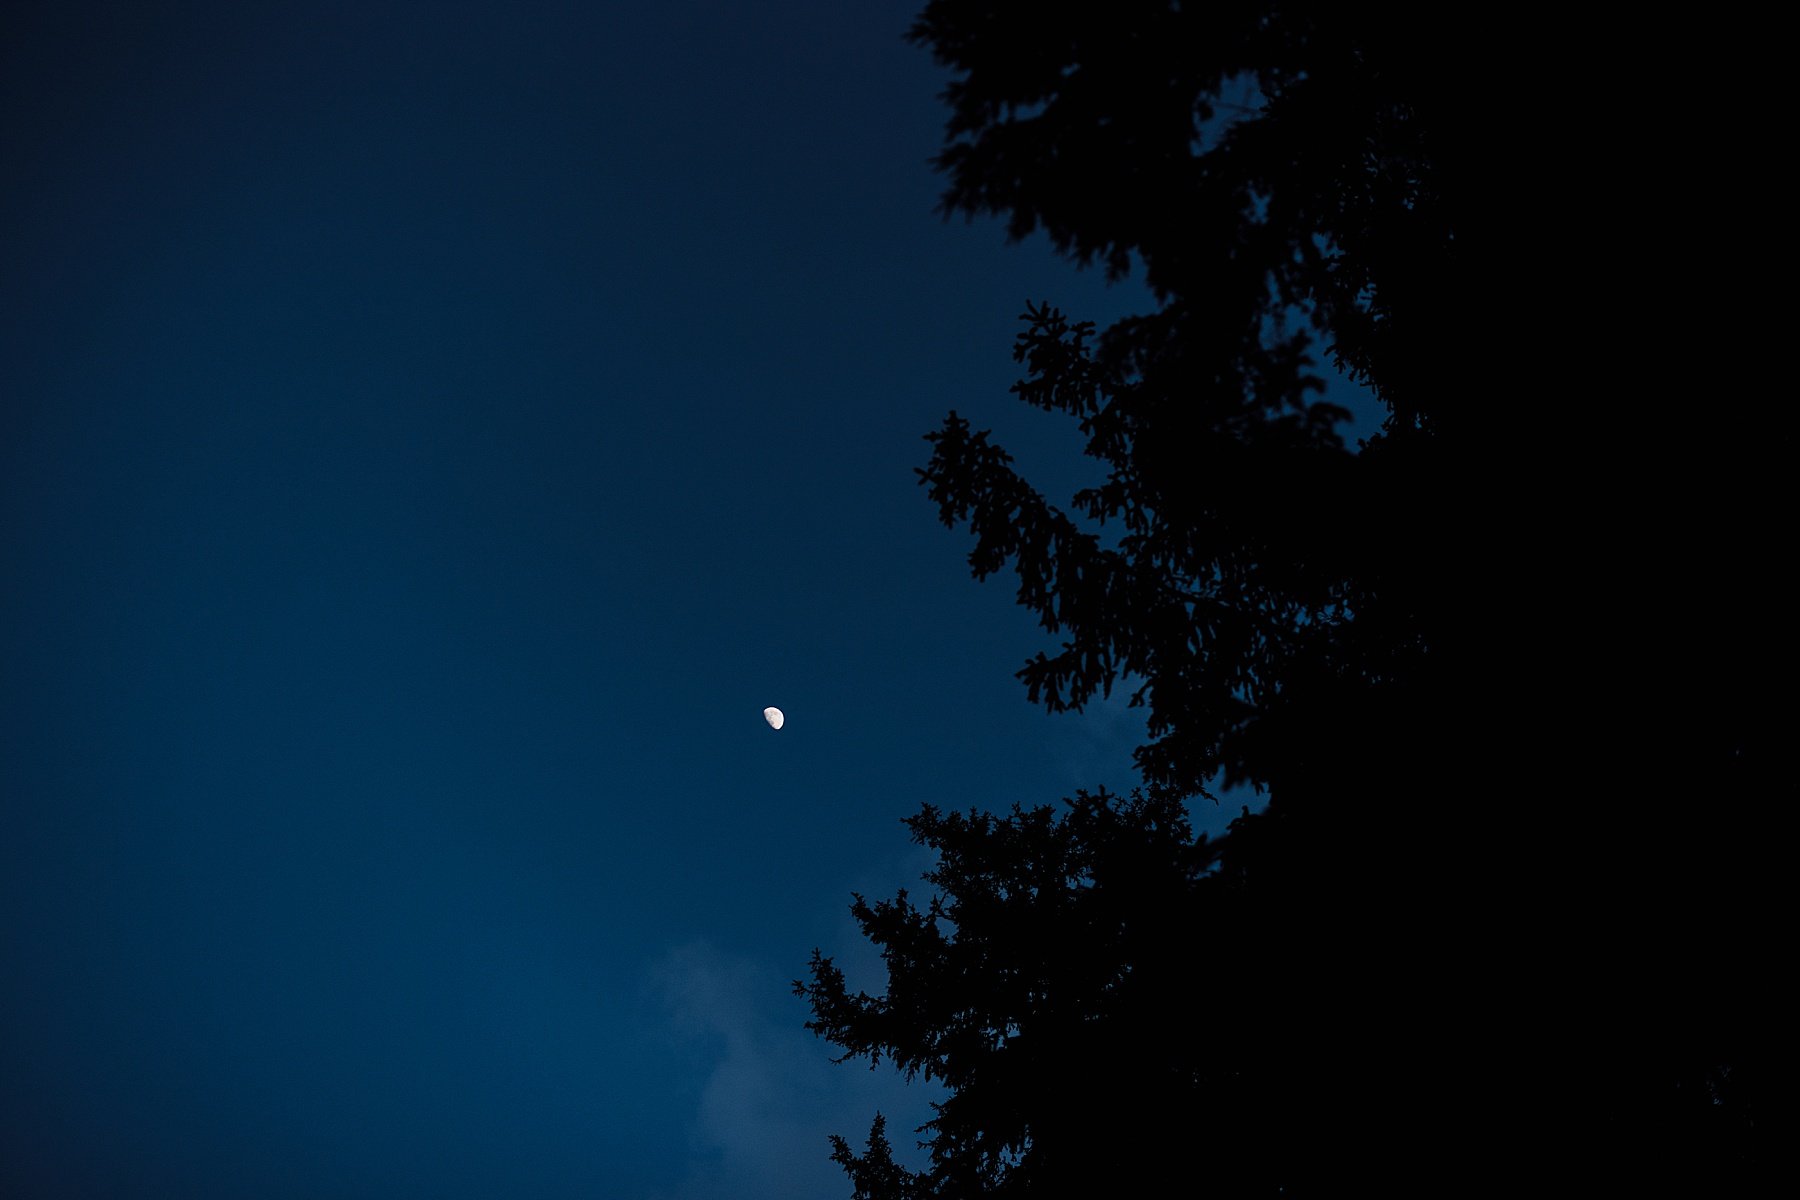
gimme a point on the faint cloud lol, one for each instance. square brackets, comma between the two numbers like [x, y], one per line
[1092, 748]
[771, 1094]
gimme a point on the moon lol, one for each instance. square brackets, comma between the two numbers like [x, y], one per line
[773, 717]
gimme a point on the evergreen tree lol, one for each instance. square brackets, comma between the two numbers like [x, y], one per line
[1392, 977]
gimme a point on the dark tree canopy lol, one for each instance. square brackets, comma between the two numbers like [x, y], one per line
[1501, 667]
[1050, 985]
[1280, 176]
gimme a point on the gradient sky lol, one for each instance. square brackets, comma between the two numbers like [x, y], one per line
[429, 435]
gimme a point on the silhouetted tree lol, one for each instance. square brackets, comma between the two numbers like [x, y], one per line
[1396, 976]
[1050, 986]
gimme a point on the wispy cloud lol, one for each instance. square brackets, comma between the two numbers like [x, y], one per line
[1093, 747]
[771, 1094]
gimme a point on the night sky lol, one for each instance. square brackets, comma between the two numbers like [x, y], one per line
[429, 436]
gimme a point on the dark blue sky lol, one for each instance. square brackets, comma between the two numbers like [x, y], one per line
[429, 435]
